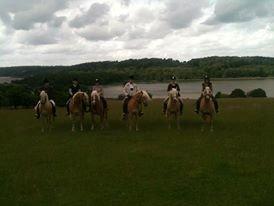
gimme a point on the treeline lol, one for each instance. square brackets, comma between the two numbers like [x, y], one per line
[153, 69]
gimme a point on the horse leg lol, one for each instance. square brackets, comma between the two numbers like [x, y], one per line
[211, 124]
[136, 123]
[43, 124]
[81, 123]
[130, 122]
[92, 121]
[178, 122]
[102, 121]
[169, 120]
[73, 123]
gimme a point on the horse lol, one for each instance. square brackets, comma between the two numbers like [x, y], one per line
[134, 106]
[207, 108]
[173, 107]
[97, 108]
[77, 108]
[46, 111]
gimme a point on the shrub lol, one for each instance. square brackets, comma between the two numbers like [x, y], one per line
[257, 93]
[237, 93]
[221, 95]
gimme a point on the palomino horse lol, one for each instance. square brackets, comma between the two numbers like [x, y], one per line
[207, 108]
[97, 108]
[77, 108]
[173, 107]
[45, 109]
[134, 105]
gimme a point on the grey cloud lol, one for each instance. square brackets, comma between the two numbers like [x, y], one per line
[26, 13]
[180, 14]
[231, 11]
[104, 33]
[126, 2]
[95, 12]
[37, 37]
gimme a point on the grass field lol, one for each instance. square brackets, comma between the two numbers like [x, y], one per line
[234, 165]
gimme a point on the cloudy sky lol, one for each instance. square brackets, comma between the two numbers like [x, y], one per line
[65, 32]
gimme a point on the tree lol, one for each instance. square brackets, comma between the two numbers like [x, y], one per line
[257, 93]
[237, 93]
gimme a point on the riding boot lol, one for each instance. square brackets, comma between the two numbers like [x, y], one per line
[181, 107]
[68, 113]
[197, 110]
[216, 105]
[54, 111]
[164, 107]
[37, 115]
[104, 103]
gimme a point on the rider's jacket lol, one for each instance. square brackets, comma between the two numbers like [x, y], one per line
[49, 90]
[130, 89]
[99, 89]
[207, 84]
[74, 89]
[173, 86]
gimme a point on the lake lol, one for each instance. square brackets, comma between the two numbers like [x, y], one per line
[192, 89]
[7, 79]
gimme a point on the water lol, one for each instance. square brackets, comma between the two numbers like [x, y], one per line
[7, 79]
[192, 89]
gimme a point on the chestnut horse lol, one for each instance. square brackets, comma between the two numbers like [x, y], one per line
[134, 107]
[173, 107]
[97, 108]
[45, 109]
[207, 108]
[77, 108]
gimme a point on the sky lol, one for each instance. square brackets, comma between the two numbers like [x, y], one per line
[66, 32]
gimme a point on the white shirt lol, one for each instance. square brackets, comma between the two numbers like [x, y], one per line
[130, 89]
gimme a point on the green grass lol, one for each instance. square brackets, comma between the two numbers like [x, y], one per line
[234, 165]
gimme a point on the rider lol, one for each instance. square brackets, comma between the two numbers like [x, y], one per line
[130, 89]
[207, 83]
[75, 87]
[99, 88]
[49, 90]
[173, 85]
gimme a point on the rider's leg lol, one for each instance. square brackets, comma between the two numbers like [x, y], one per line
[216, 105]
[67, 105]
[197, 110]
[53, 107]
[165, 105]
[104, 102]
[36, 108]
[181, 106]
[125, 109]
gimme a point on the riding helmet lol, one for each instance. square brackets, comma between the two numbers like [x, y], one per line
[173, 77]
[46, 81]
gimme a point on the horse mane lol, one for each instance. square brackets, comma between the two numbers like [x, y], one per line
[146, 95]
[76, 97]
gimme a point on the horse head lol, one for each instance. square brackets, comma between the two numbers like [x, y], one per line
[43, 97]
[94, 96]
[173, 94]
[80, 98]
[207, 93]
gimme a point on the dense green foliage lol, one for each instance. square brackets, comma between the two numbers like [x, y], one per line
[257, 93]
[236, 93]
[156, 166]
[144, 70]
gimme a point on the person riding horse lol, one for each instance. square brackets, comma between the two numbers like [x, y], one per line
[130, 89]
[50, 92]
[75, 87]
[173, 85]
[99, 88]
[207, 83]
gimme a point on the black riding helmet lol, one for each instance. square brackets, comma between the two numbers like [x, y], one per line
[206, 77]
[97, 80]
[173, 78]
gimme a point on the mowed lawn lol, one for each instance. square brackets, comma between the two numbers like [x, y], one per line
[234, 165]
